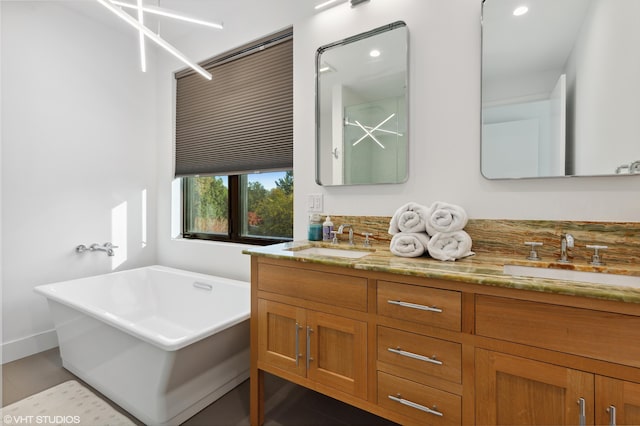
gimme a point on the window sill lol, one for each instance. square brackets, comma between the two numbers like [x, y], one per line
[225, 243]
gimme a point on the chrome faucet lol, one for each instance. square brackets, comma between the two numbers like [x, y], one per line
[106, 247]
[341, 229]
[566, 242]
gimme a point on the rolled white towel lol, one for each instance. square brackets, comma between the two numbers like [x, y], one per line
[412, 217]
[450, 245]
[409, 244]
[445, 217]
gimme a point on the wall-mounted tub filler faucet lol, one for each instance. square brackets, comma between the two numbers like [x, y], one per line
[566, 242]
[106, 247]
[341, 229]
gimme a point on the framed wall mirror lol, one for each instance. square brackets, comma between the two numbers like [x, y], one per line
[560, 88]
[362, 108]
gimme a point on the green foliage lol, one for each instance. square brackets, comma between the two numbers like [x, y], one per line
[286, 183]
[256, 193]
[214, 197]
[209, 204]
[273, 210]
[269, 212]
[276, 214]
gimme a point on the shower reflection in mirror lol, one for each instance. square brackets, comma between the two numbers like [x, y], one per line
[361, 108]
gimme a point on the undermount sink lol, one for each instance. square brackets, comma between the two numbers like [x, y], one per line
[572, 275]
[333, 252]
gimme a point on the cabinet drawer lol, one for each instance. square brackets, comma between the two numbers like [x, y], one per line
[424, 404]
[423, 354]
[439, 308]
[334, 289]
[595, 334]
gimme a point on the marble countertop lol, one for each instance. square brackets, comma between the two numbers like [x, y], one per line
[479, 269]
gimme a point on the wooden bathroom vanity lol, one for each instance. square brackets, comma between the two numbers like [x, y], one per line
[422, 342]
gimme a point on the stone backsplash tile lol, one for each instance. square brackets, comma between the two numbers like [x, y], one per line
[505, 237]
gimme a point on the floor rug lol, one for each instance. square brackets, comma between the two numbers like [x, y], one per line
[68, 403]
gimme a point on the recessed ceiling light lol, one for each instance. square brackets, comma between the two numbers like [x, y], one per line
[520, 10]
[374, 53]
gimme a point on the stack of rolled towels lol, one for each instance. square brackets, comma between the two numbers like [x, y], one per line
[437, 229]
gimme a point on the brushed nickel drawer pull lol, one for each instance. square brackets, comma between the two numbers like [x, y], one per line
[415, 405]
[582, 414]
[414, 306]
[309, 358]
[297, 344]
[399, 351]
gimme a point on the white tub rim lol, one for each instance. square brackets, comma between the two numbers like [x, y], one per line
[163, 342]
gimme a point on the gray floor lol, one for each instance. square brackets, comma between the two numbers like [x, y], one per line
[286, 403]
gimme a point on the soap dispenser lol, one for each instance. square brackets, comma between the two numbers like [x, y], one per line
[315, 228]
[327, 227]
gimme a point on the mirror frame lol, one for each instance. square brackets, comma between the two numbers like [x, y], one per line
[376, 31]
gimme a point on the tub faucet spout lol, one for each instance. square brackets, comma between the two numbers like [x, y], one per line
[106, 247]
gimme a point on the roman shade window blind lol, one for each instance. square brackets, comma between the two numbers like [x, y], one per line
[241, 121]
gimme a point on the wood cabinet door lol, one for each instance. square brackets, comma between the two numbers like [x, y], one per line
[281, 336]
[617, 402]
[512, 390]
[338, 352]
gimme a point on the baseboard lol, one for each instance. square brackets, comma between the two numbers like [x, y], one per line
[27, 346]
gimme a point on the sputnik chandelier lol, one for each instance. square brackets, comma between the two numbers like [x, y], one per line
[116, 6]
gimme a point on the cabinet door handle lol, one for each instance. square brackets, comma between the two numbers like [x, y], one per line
[297, 349]
[399, 351]
[415, 306]
[612, 415]
[582, 418]
[415, 405]
[309, 359]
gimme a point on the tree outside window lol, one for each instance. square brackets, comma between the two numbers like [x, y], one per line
[254, 208]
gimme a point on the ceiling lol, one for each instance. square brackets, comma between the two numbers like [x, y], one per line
[233, 14]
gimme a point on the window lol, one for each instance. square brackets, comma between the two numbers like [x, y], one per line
[251, 208]
[234, 144]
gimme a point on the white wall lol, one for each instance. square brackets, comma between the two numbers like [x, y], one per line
[78, 141]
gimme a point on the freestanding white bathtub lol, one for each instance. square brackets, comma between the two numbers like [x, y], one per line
[160, 342]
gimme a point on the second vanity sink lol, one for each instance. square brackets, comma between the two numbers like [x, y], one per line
[333, 252]
[572, 275]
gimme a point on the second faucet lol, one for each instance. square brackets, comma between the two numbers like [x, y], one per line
[341, 229]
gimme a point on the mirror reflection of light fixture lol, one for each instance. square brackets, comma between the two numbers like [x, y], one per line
[354, 3]
[143, 30]
[325, 67]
